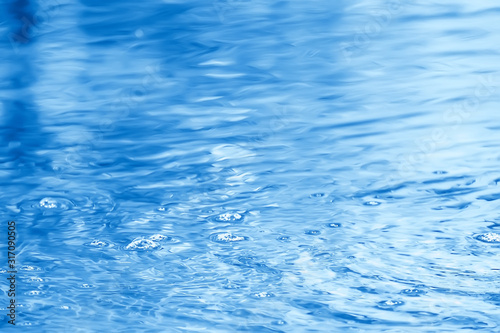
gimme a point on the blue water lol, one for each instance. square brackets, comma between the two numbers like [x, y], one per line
[251, 166]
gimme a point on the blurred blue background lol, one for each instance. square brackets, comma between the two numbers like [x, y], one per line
[251, 166]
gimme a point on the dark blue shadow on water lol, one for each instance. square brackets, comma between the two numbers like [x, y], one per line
[20, 130]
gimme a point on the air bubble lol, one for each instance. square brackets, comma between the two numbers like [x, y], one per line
[139, 33]
[142, 244]
[389, 304]
[35, 279]
[228, 217]
[97, 243]
[334, 225]
[159, 237]
[230, 285]
[283, 238]
[226, 237]
[372, 203]
[312, 232]
[413, 292]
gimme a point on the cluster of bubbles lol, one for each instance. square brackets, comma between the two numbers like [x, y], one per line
[146, 244]
[490, 237]
[228, 217]
[226, 237]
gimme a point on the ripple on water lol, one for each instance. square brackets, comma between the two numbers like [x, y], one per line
[101, 203]
[312, 232]
[413, 292]
[226, 237]
[284, 238]
[48, 203]
[263, 294]
[159, 237]
[99, 243]
[490, 237]
[29, 268]
[55, 203]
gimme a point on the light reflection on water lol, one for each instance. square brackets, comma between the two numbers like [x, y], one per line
[252, 166]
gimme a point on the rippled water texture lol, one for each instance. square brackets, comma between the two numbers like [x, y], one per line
[251, 166]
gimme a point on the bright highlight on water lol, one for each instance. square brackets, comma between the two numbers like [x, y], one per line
[249, 166]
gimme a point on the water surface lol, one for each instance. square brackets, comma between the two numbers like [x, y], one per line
[247, 166]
